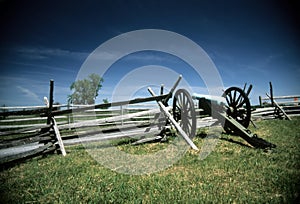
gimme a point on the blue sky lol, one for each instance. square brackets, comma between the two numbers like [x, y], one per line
[250, 42]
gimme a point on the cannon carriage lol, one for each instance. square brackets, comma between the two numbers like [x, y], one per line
[232, 110]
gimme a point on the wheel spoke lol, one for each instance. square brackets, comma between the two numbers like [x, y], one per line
[227, 100]
[189, 124]
[239, 98]
[230, 97]
[241, 103]
[234, 97]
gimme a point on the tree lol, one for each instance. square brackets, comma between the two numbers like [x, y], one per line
[105, 101]
[85, 91]
[3, 111]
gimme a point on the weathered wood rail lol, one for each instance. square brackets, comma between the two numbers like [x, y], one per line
[272, 113]
[292, 100]
[23, 138]
[277, 106]
[31, 133]
[43, 129]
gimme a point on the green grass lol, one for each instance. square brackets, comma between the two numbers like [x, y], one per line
[232, 173]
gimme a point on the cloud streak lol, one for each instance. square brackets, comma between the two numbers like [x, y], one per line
[35, 53]
[29, 94]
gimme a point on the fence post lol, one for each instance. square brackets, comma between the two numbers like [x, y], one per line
[249, 90]
[260, 101]
[69, 115]
[162, 89]
[271, 94]
[50, 102]
[121, 114]
[58, 137]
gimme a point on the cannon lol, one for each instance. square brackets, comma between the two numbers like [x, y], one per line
[232, 110]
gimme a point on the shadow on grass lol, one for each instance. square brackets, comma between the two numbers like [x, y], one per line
[235, 142]
[10, 164]
[203, 133]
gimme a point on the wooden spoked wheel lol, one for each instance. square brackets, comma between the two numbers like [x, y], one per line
[238, 107]
[184, 112]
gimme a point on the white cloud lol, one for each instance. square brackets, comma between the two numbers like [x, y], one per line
[104, 55]
[29, 94]
[44, 53]
[149, 57]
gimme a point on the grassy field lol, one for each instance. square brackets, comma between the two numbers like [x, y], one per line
[232, 173]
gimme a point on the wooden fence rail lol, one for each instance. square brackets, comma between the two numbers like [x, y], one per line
[40, 138]
[283, 106]
[277, 107]
[25, 131]
[293, 100]
[41, 126]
